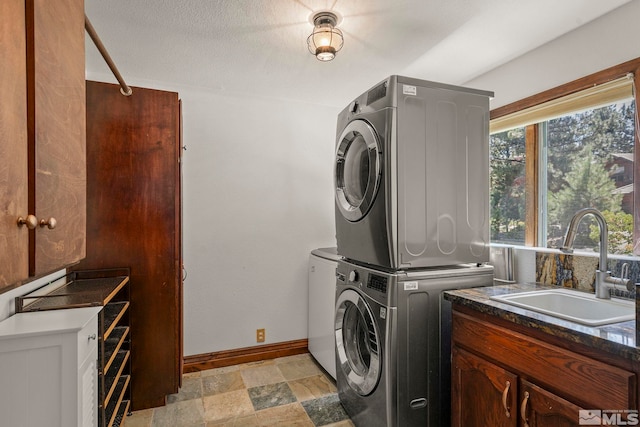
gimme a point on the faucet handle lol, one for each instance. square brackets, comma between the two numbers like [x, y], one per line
[624, 271]
[624, 277]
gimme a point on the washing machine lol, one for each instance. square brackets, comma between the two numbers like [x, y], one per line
[322, 295]
[393, 342]
[412, 175]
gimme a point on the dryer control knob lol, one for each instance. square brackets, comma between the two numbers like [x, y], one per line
[353, 276]
[353, 107]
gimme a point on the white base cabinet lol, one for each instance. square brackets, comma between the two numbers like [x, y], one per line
[48, 368]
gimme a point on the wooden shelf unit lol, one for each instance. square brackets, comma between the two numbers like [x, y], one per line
[110, 290]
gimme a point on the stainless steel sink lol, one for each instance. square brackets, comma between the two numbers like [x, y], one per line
[577, 306]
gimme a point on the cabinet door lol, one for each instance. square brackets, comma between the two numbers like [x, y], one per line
[542, 408]
[14, 255]
[483, 394]
[57, 131]
[88, 390]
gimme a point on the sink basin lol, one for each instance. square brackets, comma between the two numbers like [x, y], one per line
[579, 307]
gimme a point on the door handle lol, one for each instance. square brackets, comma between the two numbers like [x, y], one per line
[49, 223]
[30, 221]
[505, 395]
[523, 409]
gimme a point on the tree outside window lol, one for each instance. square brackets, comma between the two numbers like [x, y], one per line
[587, 160]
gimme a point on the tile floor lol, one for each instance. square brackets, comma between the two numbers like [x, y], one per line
[288, 391]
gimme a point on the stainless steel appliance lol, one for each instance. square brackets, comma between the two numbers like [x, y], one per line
[392, 332]
[412, 175]
[322, 298]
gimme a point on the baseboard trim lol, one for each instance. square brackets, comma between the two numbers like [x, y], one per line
[219, 359]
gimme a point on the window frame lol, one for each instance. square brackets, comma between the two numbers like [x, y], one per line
[532, 143]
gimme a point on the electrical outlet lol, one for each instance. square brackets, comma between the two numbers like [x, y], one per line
[260, 335]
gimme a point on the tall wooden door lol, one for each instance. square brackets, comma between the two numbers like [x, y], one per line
[133, 220]
[56, 103]
[14, 240]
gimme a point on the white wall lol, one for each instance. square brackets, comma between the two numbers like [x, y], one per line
[607, 41]
[258, 197]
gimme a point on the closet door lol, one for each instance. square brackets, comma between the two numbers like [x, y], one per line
[57, 132]
[14, 240]
[133, 220]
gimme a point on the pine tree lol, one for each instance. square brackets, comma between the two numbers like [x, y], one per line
[587, 185]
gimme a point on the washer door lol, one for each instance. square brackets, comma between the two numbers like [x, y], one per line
[357, 169]
[357, 343]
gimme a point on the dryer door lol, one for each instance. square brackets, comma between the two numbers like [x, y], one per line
[357, 343]
[357, 169]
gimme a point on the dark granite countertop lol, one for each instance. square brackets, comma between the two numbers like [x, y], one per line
[617, 338]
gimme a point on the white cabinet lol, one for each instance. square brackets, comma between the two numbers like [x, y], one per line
[48, 371]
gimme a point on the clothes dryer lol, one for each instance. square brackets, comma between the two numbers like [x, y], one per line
[412, 175]
[393, 342]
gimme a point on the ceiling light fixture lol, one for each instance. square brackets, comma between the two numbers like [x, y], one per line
[325, 40]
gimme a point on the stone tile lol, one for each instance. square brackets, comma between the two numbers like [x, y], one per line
[222, 383]
[250, 365]
[225, 406]
[139, 418]
[295, 357]
[345, 423]
[217, 371]
[325, 410]
[191, 375]
[312, 387]
[299, 368]
[242, 421]
[271, 395]
[191, 389]
[291, 415]
[261, 375]
[188, 413]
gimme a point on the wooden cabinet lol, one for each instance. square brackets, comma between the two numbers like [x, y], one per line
[133, 220]
[540, 408]
[14, 241]
[48, 368]
[108, 290]
[57, 132]
[43, 133]
[503, 377]
[484, 393]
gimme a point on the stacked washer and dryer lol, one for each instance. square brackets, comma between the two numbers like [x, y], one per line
[412, 220]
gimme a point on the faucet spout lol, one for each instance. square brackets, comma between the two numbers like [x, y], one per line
[567, 246]
[604, 281]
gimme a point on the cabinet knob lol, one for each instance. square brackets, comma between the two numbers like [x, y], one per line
[49, 223]
[30, 221]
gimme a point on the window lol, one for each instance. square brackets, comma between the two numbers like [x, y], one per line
[552, 155]
[506, 159]
[585, 156]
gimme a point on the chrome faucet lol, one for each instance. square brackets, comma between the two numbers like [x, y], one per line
[604, 280]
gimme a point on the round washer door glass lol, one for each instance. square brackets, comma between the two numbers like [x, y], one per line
[357, 172]
[357, 343]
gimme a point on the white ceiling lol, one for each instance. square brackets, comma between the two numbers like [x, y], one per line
[258, 47]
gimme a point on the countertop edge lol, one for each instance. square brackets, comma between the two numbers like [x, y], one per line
[618, 338]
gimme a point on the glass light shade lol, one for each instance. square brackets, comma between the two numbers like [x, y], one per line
[325, 41]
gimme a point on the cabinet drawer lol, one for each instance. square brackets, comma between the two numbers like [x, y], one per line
[88, 340]
[585, 380]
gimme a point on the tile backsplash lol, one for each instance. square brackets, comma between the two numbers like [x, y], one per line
[579, 272]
